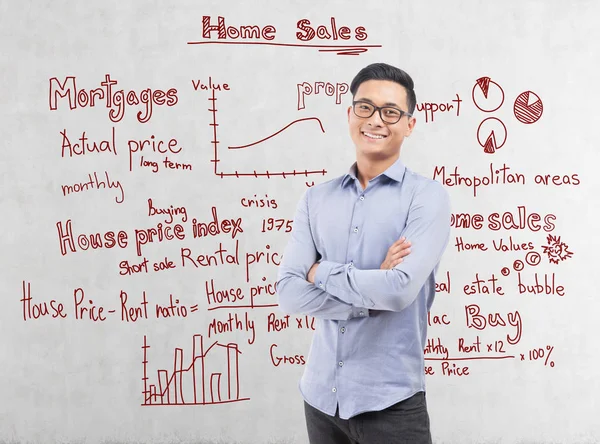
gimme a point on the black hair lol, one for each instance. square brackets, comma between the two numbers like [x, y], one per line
[383, 71]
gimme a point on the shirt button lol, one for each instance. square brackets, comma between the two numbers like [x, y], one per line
[356, 229]
[334, 390]
[341, 363]
[362, 197]
[362, 313]
[321, 284]
[343, 329]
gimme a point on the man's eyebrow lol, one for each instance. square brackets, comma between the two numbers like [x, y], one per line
[370, 101]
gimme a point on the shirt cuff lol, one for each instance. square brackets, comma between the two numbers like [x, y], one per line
[326, 269]
[322, 274]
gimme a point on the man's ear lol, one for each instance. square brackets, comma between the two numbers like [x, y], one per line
[412, 121]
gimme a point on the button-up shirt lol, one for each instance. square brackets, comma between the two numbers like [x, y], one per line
[367, 349]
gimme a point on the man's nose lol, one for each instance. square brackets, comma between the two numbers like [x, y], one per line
[375, 119]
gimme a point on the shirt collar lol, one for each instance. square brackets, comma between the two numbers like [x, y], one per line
[395, 172]
[350, 175]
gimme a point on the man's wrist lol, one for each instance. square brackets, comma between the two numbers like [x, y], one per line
[312, 272]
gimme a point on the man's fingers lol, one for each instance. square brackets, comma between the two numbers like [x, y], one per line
[396, 252]
[403, 253]
[399, 244]
[398, 255]
[394, 263]
[399, 249]
[395, 259]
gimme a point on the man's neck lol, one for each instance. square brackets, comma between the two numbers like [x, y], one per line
[367, 169]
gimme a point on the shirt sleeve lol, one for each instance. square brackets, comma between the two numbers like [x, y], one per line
[428, 230]
[295, 294]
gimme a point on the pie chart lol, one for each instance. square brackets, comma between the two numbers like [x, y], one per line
[491, 134]
[528, 107]
[487, 95]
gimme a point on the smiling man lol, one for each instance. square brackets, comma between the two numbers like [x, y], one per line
[349, 265]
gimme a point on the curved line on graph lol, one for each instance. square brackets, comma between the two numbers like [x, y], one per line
[274, 134]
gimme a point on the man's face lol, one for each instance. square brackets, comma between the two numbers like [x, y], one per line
[372, 137]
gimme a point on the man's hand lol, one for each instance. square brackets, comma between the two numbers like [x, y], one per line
[311, 273]
[395, 253]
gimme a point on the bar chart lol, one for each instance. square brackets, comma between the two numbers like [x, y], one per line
[211, 377]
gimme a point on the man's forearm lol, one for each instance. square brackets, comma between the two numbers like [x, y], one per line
[298, 296]
[392, 290]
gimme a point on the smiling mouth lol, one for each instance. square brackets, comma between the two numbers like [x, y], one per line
[373, 136]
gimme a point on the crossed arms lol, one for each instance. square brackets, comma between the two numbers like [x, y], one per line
[341, 291]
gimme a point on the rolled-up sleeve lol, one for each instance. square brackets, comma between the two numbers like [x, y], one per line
[295, 294]
[428, 230]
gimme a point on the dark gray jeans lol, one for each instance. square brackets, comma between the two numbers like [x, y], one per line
[404, 422]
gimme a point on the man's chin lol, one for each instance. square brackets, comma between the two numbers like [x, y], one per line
[375, 153]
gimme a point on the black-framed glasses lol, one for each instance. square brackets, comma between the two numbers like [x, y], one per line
[388, 114]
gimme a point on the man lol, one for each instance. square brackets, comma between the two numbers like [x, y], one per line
[347, 264]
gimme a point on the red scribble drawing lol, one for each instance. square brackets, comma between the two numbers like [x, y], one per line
[533, 258]
[354, 50]
[490, 127]
[518, 265]
[556, 249]
[528, 107]
[268, 174]
[484, 84]
[486, 91]
[280, 131]
[204, 382]
[490, 144]
[338, 49]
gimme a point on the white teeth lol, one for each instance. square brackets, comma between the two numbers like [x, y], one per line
[374, 136]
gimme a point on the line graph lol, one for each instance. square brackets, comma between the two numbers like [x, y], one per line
[203, 382]
[281, 130]
[254, 173]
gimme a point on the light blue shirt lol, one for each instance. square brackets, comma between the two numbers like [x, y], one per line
[367, 350]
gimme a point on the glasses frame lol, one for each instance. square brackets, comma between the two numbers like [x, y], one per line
[379, 108]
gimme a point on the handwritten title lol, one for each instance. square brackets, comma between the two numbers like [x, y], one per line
[305, 31]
